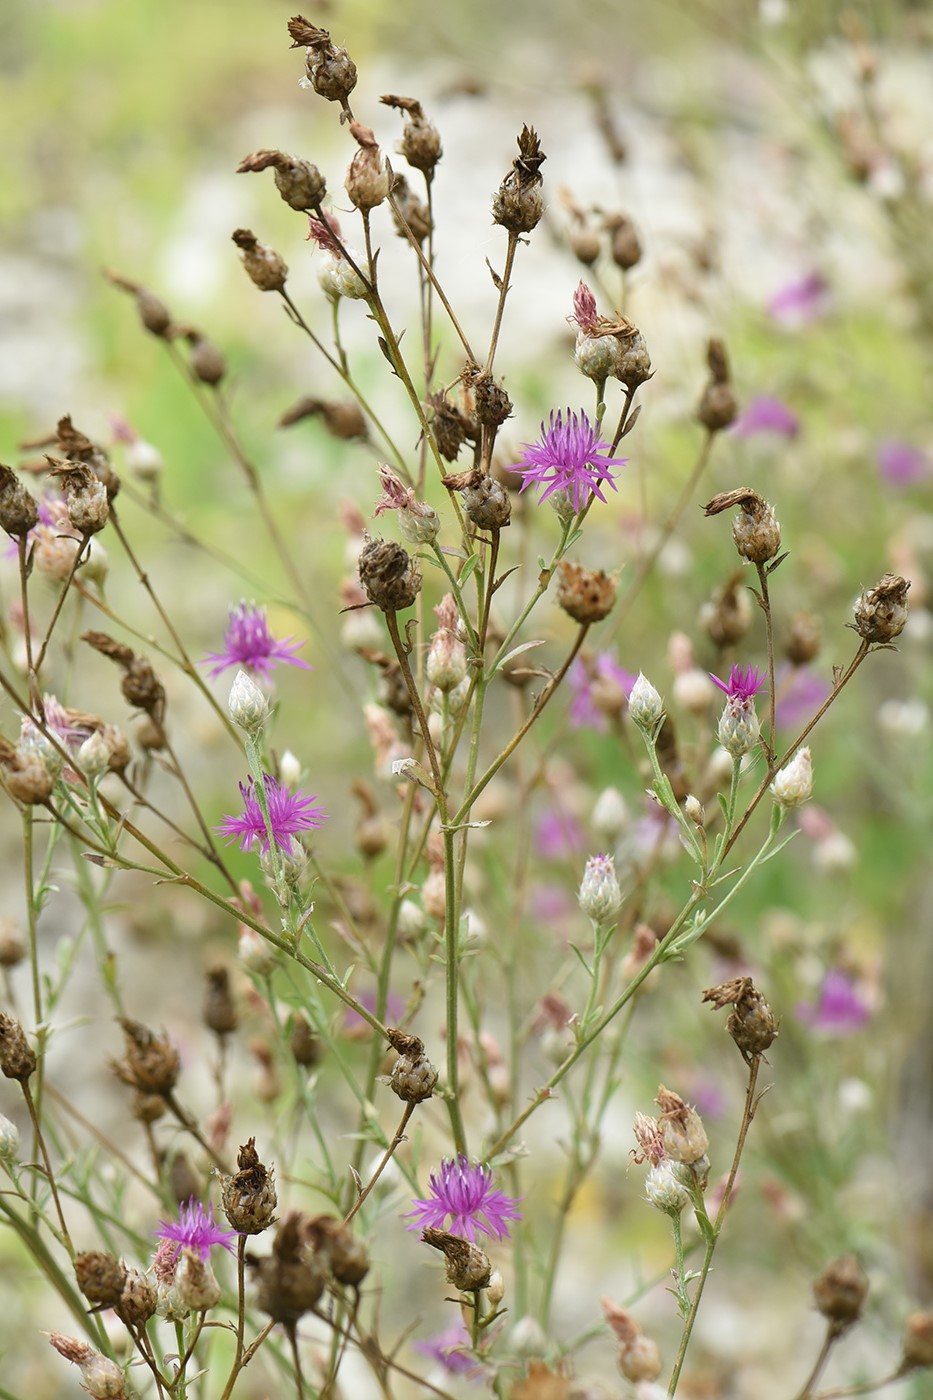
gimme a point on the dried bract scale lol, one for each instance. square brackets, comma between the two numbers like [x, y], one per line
[390, 578]
[86, 495]
[265, 268]
[517, 204]
[368, 181]
[755, 530]
[624, 243]
[330, 70]
[413, 1077]
[918, 1341]
[17, 1057]
[881, 612]
[151, 1062]
[468, 1268]
[346, 1256]
[718, 405]
[306, 1046]
[802, 639]
[291, 1280]
[138, 1299]
[301, 184]
[249, 1197]
[752, 1024]
[344, 421]
[18, 510]
[421, 142]
[840, 1292]
[586, 595]
[682, 1131]
[101, 1277]
[219, 1011]
[411, 215]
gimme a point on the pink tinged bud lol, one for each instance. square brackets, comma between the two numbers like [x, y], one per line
[794, 783]
[620, 1320]
[600, 895]
[584, 307]
[640, 1360]
[102, 1377]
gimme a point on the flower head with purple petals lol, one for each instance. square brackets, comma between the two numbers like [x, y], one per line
[589, 682]
[196, 1229]
[249, 644]
[839, 1010]
[289, 813]
[451, 1348]
[900, 463]
[742, 685]
[801, 302]
[569, 456]
[462, 1192]
[766, 414]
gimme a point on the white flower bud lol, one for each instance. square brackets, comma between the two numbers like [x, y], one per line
[248, 705]
[794, 784]
[289, 769]
[693, 691]
[9, 1139]
[645, 704]
[96, 564]
[495, 1289]
[611, 816]
[195, 1284]
[255, 953]
[693, 811]
[94, 756]
[600, 896]
[144, 459]
[664, 1190]
[337, 277]
[739, 727]
[528, 1338]
[411, 921]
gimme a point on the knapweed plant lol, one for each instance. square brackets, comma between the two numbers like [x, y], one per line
[446, 1044]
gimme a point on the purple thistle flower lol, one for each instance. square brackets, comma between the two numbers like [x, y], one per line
[289, 813]
[839, 1010]
[464, 1193]
[766, 414]
[568, 457]
[584, 679]
[558, 834]
[800, 302]
[742, 685]
[900, 463]
[248, 643]
[798, 694]
[196, 1228]
[451, 1349]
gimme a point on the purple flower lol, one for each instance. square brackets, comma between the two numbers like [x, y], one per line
[798, 694]
[196, 1229]
[742, 685]
[558, 834]
[451, 1348]
[900, 463]
[568, 457]
[766, 414]
[463, 1192]
[586, 681]
[840, 1010]
[289, 813]
[394, 1012]
[800, 302]
[248, 643]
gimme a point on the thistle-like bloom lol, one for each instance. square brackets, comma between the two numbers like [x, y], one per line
[249, 644]
[840, 1009]
[462, 1192]
[195, 1229]
[742, 685]
[570, 456]
[801, 302]
[766, 414]
[598, 689]
[289, 813]
[900, 463]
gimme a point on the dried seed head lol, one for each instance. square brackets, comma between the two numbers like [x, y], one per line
[755, 530]
[138, 1299]
[634, 364]
[148, 1108]
[100, 1277]
[12, 943]
[219, 1011]
[728, 615]
[752, 1023]
[17, 1057]
[468, 1268]
[487, 503]
[625, 245]
[208, 363]
[184, 1182]
[153, 313]
[265, 268]
[306, 1046]
[249, 1197]
[586, 595]
[802, 639]
[390, 578]
[840, 1292]
[300, 183]
[368, 181]
[18, 510]
[86, 494]
[881, 612]
[346, 1256]
[77, 447]
[421, 143]
[682, 1131]
[408, 209]
[27, 776]
[413, 1077]
[291, 1280]
[344, 421]
[491, 404]
[718, 406]
[585, 243]
[517, 204]
[195, 1284]
[918, 1341]
[151, 1063]
[142, 688]
[330, 70]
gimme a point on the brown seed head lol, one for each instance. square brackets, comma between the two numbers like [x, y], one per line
[346, 1256]
[413, 1077]
[840, 1291]
[138, 1299]
[421, 142]
[292, 1279]
[407, 207]
[77, 447]
[718, 405]
[148, 1108]
[487, 503]
[330, 70]
[153, 313]
[491, 404]
[86, 494]
[752, 1023]
[219, 1011]
[881, 612]
[18, 510]
[151, 1063]
[586, 595]
[625, 245]
[25, 776]
[517, 204]
[17, 1057]
[755, 530]
[728, 615]
[390, 578]
[249, 1197]
[100, 1277]
[802, 639]
[208, 362]
[265, 268]
[12, 943]
[342, 420]
[918, 1341]
[682, 1131]
[468, 1268]
[451, 427]
[142, 688]
[307, 1047]
[368, 181]
[301, 184]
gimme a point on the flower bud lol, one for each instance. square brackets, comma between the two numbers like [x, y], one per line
[256, 955]
[600, 896]
[611, 817]
[421, 143]
[640, 1360]
[645, 705]
[103, 1379]
[682, 1131]
[248, 704]
[219, 1011]
[495, 1289]
[12, 943]
[93, 757]
[728, 615]
[840, 1292]
[664, 1191]
[881, 612]
[793, 785]
[9, 1139]
[144, 460]
[292, 1279]
[752, 1023]
[208, 363]
[802, 640]
[739, 726]
[918, 1341]
[264, 267]
[347, 1257]
[196, 1286]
